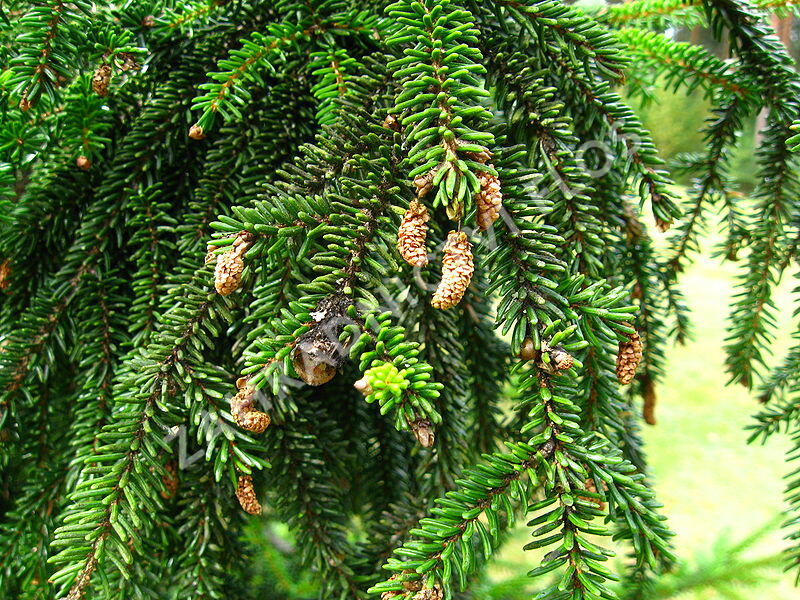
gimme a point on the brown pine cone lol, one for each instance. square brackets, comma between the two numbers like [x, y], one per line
[412, 234]
[101, 80]
[628, 358]
[457, 269]
[196, 132]
[5, 273]
[489, 200]
[247, 495]
[230, 265]
[242, 410]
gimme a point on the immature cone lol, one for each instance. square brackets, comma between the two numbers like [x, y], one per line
[243, 412]
[25, 104]
[457, 269]
[247, 495]
[528, 351]
[83, 163]
[230, 265]
[628, 357]
[363, 386]
[489, 199]
[412, 234]
[148, 21]
[196, 132]
[101, 79]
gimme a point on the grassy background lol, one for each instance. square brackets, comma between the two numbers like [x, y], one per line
[711, 482]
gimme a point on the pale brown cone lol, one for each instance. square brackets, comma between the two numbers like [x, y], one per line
[457, 269]
[230, 265]
[101, 79]
[663, 225]
[83, 163]
[424, 183]
[628, 357]
[242, 410]
[25, 104]
[247, 495]
[363, 386]
[489, 200]
[412, 235]
[434, 593]
[562, 360]
[196, 132]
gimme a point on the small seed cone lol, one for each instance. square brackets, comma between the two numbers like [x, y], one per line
[243, 412]
[628, 357]
[247, 495]
[424, 183]
[412, 234]
[101, 80]
[457, 269]
[83, 163]
[196, 132]
[489, 200]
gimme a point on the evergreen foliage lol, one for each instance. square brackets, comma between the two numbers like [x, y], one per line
[365, 225]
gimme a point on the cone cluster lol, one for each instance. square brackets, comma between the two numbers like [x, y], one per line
[457, 269]
[230, 265]
[242, 410]
[412, 234]
[628, 358]
[489, 199]
[246, 495]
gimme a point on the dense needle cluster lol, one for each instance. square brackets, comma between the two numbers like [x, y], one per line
[216, 301]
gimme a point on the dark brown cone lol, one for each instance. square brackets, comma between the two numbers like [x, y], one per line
[649, 405]
[246, 495]
[628, 357]
[5, 272]
[412, 234]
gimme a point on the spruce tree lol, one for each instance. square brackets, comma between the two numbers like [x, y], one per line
[292, 258]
